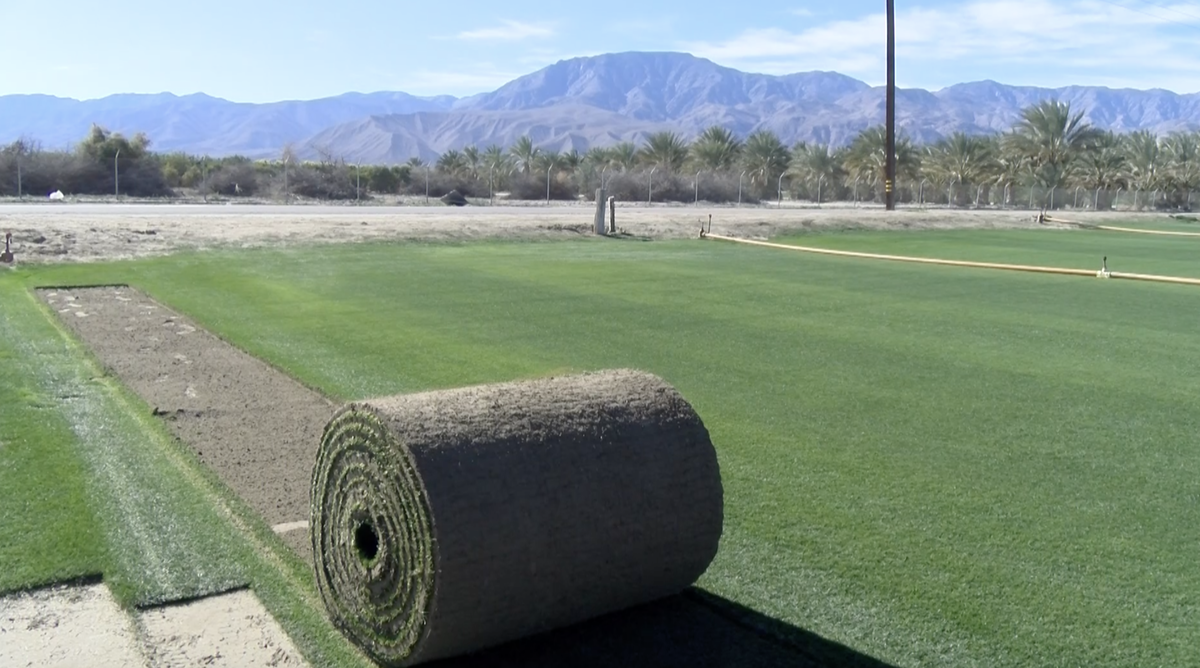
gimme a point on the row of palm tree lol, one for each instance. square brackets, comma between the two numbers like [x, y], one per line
[1050, 149]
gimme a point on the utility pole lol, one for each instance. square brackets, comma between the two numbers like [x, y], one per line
[889, 184]
[116, 175]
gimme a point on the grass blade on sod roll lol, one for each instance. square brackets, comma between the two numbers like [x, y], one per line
[447, 522]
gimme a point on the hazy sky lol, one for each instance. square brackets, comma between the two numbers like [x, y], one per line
[264, 50]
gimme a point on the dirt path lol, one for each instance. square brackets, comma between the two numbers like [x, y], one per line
[90, 232]
[254, 426]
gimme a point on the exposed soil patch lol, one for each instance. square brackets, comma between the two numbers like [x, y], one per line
[84, 626]
[67, 626]
[230, 630]
[254, 426]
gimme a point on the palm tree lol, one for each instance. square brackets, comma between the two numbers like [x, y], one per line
[1183, 164]
[1102, 168]
[1012, 168]
[1143, 156]
[498, 165]
[715, 149]
[961, 161]
[495, 159]
[817, 167]
[664, 150]
[765, 159]
[571, 160]
[598, 157]
[473, 160]
[1050, 136]
[523, 153]
[623, 156]
[547, 160]
[452, 163]
[866, 158]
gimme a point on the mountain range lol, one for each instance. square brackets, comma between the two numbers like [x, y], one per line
[576, 103]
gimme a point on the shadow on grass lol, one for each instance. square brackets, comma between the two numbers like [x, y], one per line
[694, 630]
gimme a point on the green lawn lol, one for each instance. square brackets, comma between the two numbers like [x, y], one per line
[47, 531]
[1075, 249]
[1180, 223]
[935, 466]
[93, 486]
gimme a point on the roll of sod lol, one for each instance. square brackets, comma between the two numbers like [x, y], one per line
[447, 522]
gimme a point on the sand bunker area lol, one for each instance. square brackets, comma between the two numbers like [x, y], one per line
[258, 430]
[89, 232]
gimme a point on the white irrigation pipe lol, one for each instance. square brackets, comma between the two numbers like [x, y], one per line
[963, 263]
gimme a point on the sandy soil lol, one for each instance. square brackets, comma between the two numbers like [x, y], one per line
[83, 626]
[88, 232]
[255, 427]
[229, 630]
[67, 626]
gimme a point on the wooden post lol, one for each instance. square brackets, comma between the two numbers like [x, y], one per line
[612, 213]
[598, 222]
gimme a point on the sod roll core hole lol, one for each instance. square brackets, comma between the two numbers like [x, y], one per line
[367, 541]
[447, 522]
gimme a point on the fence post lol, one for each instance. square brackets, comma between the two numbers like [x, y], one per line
[598, 222]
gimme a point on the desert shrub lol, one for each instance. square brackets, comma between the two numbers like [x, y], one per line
[323, 181]
[635, 187]
[385, 180]
[441, 183]
[232, 180]
[525, 186]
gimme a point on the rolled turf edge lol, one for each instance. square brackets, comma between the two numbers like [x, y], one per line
[446, 522]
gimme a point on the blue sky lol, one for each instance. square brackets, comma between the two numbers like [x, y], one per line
[264, 50]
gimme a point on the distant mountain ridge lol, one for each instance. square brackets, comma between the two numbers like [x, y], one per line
[577, 103]
[198, 123]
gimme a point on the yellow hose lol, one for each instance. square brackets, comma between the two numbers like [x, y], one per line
[963, 263]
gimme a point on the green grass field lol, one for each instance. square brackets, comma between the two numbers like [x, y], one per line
[932, 465]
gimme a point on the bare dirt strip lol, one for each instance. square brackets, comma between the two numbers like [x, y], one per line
[254, 426]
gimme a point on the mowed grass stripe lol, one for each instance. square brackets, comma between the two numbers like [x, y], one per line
[48, 532]
[936, 466]
[163, 540]
[92, 485]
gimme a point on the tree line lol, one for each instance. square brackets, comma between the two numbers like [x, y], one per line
[1051, 158]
